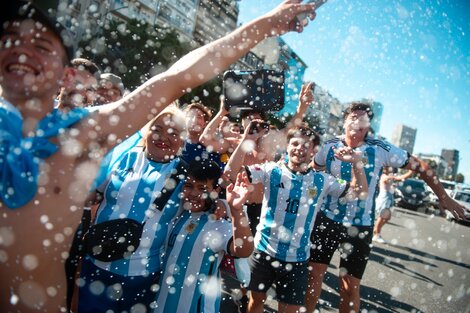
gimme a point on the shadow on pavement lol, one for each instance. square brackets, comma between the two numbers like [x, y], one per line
[372, 299]
[399, 267]
[431, 256]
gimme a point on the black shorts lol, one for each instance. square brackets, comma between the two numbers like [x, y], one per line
[290, 278]
[353, 242]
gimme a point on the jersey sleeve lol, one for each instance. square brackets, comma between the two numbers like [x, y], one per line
[258, 173]
[320, 157]
[396, 157]
[336, 186]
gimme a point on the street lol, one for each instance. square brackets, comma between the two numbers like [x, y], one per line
[424, 268]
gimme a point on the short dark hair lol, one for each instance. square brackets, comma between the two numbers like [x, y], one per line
[358, 106]
[18, 10]
[201, 107]
[304, 130]
[203, 170]
[85, 65]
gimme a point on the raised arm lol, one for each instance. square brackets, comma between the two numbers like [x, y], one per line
[237, 159]
[305, 99]
[242, 244]
[211, 137]
[195, 68]
[429, 176]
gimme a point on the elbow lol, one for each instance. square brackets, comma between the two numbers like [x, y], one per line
[244, 250]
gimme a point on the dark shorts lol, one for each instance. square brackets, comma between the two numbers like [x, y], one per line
[103, 291]
[354, 244]
[290, 279]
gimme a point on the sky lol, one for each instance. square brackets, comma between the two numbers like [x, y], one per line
[412, 56]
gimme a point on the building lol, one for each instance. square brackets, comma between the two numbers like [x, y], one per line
[178, 14]
[436, 162]
[452, 158]
[404, 137]
[215, 19]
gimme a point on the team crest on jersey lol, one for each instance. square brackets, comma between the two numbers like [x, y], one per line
[312, 192]
[191, 227]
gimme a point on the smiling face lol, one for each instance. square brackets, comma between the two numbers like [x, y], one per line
[107, 93]
[164, 139]
[300, 150]
[79, 89]
[196, 194]
[195, 121]
[32, 61]
[357, 124]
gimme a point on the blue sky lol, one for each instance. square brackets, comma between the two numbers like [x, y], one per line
[413, 56]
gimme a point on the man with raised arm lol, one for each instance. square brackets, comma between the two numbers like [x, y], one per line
[348, 226]
[47, 166]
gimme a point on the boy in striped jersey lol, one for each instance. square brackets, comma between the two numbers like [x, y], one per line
[349, 225]
[198, 242]
[292, 194]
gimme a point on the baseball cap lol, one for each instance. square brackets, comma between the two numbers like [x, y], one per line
[16, 10]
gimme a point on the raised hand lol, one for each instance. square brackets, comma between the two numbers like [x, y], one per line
[347, 154]
[283, 17]
[237, 193]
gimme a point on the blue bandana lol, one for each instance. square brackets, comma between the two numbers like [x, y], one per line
[20, 157]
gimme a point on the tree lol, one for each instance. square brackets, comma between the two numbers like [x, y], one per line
[136, 50]
[459, 178]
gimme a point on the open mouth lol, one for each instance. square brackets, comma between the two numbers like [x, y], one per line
[161, 145]
[21, 69]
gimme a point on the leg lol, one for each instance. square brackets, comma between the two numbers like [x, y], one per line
[317, 273]
[289, 308]
[256, 302]
[379, 224]
[325, 238]
[355, 250]
[349, 294]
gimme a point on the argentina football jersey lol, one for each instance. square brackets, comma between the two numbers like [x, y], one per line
[129, 192]
[376, 155]
[195, 248]
[290, 205]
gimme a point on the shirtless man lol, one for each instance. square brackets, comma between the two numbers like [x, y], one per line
[36, 236]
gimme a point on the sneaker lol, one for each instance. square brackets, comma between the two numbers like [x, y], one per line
[378, 238]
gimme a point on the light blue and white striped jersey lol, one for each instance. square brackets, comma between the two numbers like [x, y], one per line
[289, 208]
[376, 155]
[129, 192]
[190, 281]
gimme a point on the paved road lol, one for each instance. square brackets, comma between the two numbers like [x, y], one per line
[424, 268]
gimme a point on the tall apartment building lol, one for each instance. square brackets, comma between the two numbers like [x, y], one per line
[215, 18]
[452, 158]
[404, 137]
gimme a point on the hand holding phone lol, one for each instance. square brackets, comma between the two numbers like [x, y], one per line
[257, 127]
[302, 19]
